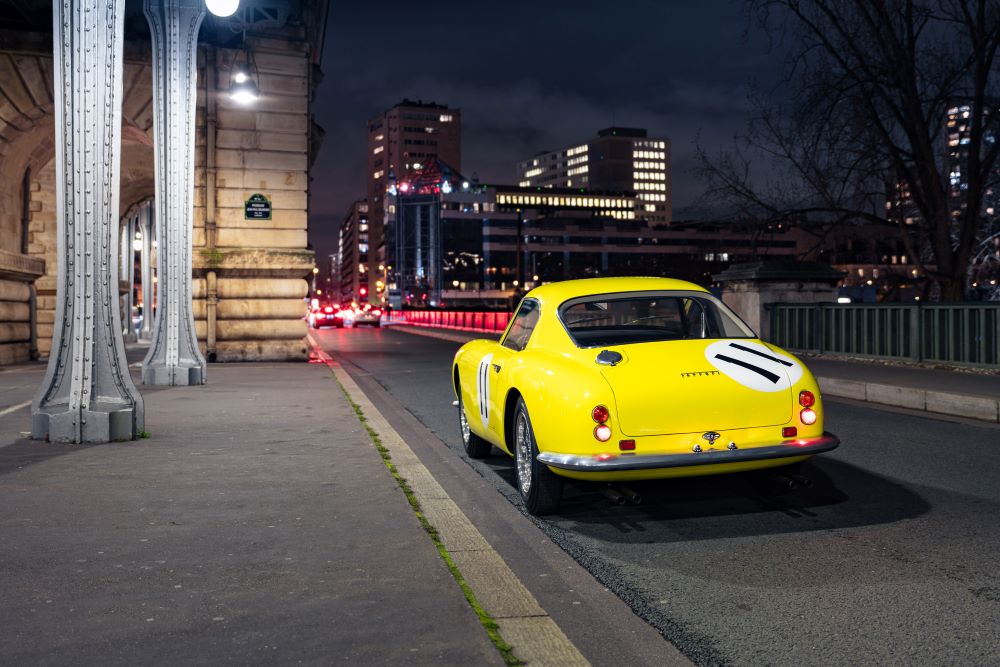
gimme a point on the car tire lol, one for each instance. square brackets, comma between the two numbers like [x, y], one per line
[475, 447]
[540, 488]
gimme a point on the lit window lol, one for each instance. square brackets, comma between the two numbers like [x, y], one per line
[446, 118]
[378, 174]
[378, 150]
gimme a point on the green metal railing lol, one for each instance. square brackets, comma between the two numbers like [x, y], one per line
[957, 333]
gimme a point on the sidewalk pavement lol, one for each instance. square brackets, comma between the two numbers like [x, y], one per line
[256, 525]
[968, 393]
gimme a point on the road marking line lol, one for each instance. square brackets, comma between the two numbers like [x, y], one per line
[14, 408]
[539, 640]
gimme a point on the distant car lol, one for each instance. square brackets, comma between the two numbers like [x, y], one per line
[325, 316]
[617, 379]
[367, 314]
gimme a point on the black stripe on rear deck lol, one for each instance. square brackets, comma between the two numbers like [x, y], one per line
[760, 354]
[750, 367]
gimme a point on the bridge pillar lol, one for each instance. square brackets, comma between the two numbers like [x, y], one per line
[174, 357]
[148, 289]
[750, 288]
[87, 394]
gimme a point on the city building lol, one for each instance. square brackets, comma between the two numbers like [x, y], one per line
[401, 141]
[352, 251]
[619, 159]
[451, 241]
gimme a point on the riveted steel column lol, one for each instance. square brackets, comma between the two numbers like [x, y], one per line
[146, 225]
[130, 227]
[87, 394]
[174, 357]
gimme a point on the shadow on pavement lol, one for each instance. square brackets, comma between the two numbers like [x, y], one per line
[25, 452]
[727, 506]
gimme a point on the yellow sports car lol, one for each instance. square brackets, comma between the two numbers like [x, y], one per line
[616, 379]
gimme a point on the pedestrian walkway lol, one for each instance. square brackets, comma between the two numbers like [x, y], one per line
[256, 524]
[958, 392]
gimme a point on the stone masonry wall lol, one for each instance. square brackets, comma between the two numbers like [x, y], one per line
[42, 244]
[258, 267]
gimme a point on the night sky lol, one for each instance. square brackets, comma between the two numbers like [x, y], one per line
[533, 76]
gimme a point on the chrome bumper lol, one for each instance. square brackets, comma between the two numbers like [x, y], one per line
[619, 462]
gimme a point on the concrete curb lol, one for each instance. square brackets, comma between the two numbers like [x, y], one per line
[969, 406]
[533, 635]
[939, 402]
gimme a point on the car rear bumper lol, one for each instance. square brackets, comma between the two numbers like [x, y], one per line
[624, 462]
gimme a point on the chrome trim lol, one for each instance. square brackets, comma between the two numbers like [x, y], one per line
[784, 449]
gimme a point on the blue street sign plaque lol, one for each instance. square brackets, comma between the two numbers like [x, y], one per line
[258, 207]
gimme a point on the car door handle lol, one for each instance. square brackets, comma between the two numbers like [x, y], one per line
[496, 368]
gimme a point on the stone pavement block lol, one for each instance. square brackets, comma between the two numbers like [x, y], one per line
[454, 529]
[539, 642]
[973, 407]
[498, 589]
[901, 397]
[420, 481]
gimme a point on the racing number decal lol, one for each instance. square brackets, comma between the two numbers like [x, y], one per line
[483, 388]
[754, 365]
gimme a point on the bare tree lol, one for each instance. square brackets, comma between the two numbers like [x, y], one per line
[863, 110]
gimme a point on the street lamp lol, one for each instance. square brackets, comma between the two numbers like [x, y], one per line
[222, 8]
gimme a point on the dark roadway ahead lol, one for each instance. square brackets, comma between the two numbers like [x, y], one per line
[891, 558]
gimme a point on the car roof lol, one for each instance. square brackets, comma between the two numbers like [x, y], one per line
[570, 289]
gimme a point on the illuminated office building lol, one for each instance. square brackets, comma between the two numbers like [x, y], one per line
[400, 142]
[619, 159]
[352, 249]
[458, 242]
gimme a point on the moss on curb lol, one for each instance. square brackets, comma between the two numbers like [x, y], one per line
[490, 625]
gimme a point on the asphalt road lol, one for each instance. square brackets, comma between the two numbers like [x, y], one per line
[890, 558]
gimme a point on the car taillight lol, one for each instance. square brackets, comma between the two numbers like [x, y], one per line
[600, 414]
[328, 309]
[807, 416]
[626, 445]
[602, 432]
[807, 399]
[789, 432]
[376, 312]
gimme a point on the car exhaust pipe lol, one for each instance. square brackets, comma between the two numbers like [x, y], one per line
[800, 480]
[612, 494]
[786, 480]
[772, 482]
[629, 494]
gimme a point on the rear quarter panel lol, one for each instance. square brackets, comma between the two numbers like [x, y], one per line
[560, 393]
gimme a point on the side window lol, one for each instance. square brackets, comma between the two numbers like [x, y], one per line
[522, 326]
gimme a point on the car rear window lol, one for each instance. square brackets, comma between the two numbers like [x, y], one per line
[621, 319]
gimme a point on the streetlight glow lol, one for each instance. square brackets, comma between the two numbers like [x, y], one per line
[222, 8]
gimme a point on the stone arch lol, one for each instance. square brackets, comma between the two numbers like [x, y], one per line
[27, 142]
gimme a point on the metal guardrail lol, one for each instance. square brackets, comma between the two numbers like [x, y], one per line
[487, 322]
[959, 333]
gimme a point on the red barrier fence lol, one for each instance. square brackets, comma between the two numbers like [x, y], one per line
[451, 319]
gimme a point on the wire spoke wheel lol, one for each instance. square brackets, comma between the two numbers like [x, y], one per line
[540, 488]
[523, 455]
